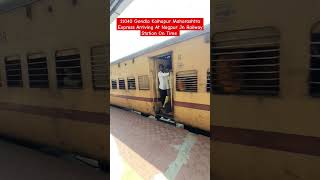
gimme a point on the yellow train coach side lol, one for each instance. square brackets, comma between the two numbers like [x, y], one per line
[53, 73]
[265, 90]
[134, 82]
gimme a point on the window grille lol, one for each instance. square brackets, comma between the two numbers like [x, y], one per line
[208, 81]
[13, 71]
[114, 84]
[99, 67]
[38, 71]
[143, 82]
[131, 83]
[187, 81]
[314, 84]
[122, 84]
[246, 62]
[68, 69]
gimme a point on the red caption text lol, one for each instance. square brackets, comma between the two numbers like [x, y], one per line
[160, 26]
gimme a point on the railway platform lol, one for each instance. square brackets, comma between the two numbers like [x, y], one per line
[144, 148]
[18, 162]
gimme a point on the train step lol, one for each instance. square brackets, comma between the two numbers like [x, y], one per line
[165, 118]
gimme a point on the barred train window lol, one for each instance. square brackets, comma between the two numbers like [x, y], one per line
[38, 71]
[187, 81]
[314, 86]
[13, 71]
[99, 67]
[208, 81]
[114, 84]
[68, 68]
[131, 83]
[143, 82]
[122, 84]
[246, 62]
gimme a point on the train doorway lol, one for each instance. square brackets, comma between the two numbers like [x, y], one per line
[163, 78]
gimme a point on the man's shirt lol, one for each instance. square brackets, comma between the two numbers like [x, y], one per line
[163, 80]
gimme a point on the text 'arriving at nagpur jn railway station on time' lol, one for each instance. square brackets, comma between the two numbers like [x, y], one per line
[160, 26]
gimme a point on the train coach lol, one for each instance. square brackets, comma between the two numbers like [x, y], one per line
[134, 79]
[266, 86]
[53, 74]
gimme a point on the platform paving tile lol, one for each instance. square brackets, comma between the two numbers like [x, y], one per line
[156, 149]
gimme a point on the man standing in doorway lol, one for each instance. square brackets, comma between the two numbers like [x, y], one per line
[163, 83]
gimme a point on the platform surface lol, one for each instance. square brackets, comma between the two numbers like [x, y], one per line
[144, 148]
[21, 163]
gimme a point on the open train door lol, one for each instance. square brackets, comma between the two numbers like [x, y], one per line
[163, 111]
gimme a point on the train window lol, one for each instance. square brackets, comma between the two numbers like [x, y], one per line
[131, 83]
[143, 82]
[314, 86]
[68, 69]
[187, 81]
[122, 84]
[38, 71]
[114, 84]
[246, 62]
[13, 71]
[208, 81]
[99, 67]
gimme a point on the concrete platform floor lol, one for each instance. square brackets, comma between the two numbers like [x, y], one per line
[144, 148]
[21, 163]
